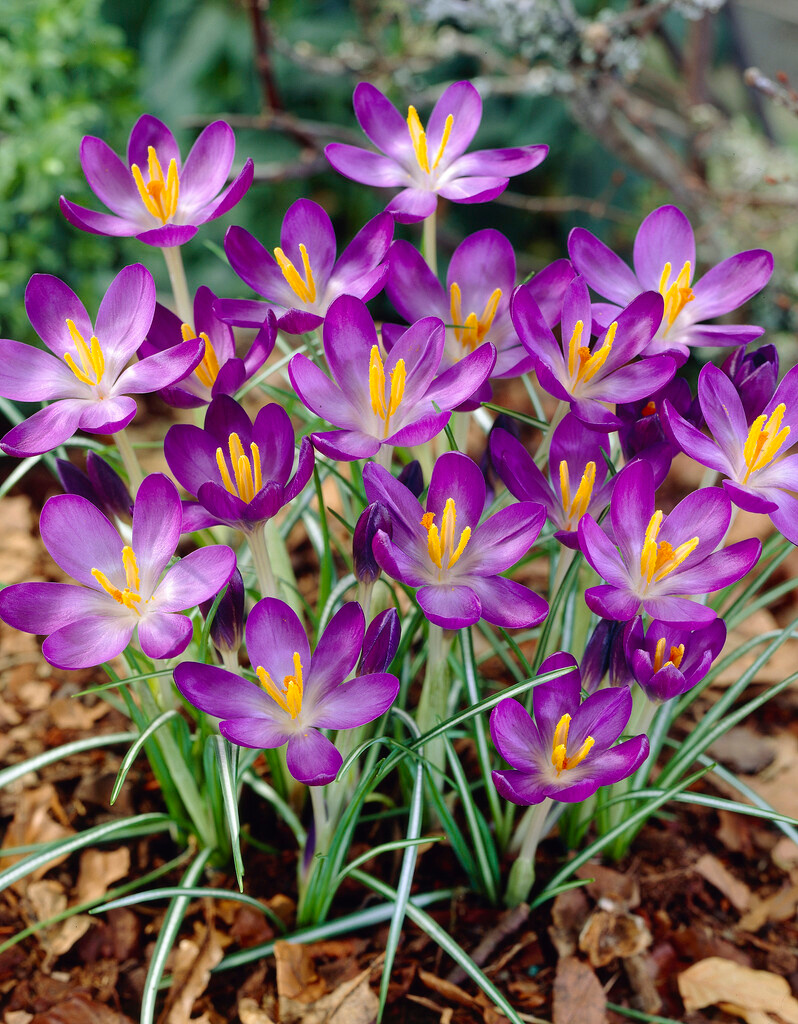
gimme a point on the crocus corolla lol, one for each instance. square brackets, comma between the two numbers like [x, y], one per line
[431, 162]
[126, 584]
[754, 375]
[297, 693]
[154, 196]
[669, 660]
[568, 751]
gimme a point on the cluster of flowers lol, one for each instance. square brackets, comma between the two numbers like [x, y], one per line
[611, 365]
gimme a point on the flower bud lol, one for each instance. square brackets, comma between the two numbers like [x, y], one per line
[412, 477]
[380, 644]
[373, 518]
[604, 653]
[227, 628]
[100, 484]
[754, 375]
[512, 426]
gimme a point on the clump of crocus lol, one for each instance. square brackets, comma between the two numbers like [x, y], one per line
[382, 403]
[220, 372]
[84, 376]
[445, 552]
[154, 196]
[126, 586]
[100, 484]
[668, 660]
[642, 425]
[760, 473]
[664, 261]
[654, 561]
[296, 694]
[428, 162]
[303, 276]
[610, 371]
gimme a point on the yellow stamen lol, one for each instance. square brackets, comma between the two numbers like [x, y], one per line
[471, 330]
[303, 288]
[583, 364]
[559, 747]
[441, 543]
[419, 139]
[447, 131]
[91, 357]
[159, 194]
[247, 479]
[130, 596]
[676, 655]
[208, 369]
[658, 560]
[290, 697]
[574, 510]
[676, 295]
[398, 376]
[765, 438]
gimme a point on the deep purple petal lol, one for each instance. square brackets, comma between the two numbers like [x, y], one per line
[359, 701]
[91, 640]
[80, 538]
[731, 283]
[222, 694]
[308, 224]
[336, 652]
[312, 758]
[507, 603]
[665, 236]
[552, 700]
[49, 303]
[451, 607]
[207, 167]
[274, 634]
[601, 553]
[503, 538]
[45, 607]
[45, 429]
[397, 562]
[364, 166]
[412, 205]
[605, 272]
[98, 223]
[256, 732]
[463, 104]
[157, 518]
[524, 788]
[613, 603]
[125, 314]
[515, 735]
[726, 566]
[603, 716]
[411, 286]
[162, 369]
[458, 477]
[164, 635]
[110, 179]
[198, 576]
[381, 121]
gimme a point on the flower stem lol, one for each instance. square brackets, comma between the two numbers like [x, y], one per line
[310, 861]
[384, 456]
[460, 422]
[542, 454]
[260, 559]
[434, 695]
[129, 460]
[429, 243]
[177, 278]
[522, 873]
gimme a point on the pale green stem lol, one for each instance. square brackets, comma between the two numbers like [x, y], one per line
[280, 561]
[542, 454]
[522, 873]
[321, 841]
[643, 711]
[434, 698]
[260, 559]
[177, 276]
[564, 561]
[384, 456]
[460, 423]
[129, 461]
[230, 661]
[364, 592]
[429, 242]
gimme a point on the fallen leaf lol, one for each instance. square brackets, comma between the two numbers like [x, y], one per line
[80, 1009]
[716, 981]
[743, 750]
[33, 823]
[191, 973]
[297, 978]
[98, 870]
[17, 1017]
[717, 874]
[781, 662]
[776, 908]
[68, 713]
[578, 995]
[569, 911]
[250, 1013]
[610, 889]
[452, 993]
[785, 854]
[606, 936]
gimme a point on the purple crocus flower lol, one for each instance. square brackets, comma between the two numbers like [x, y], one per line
[432, 162]
[84, 376]
[376, 403]
[446, 553]
[240, 471]
[220, 372]
[476, 302]
[577, 482]
[227, 627]
[754, 375]
[604, 655]
[664, 261]
[303, 276]
[373, 518]
[760, 474]
[298, 694]
[154, 196]
[585, 377]
[380, 643]
[568, 751]
[100, 484]
[124, 585]
[669, 660]
[643, 428]
[660, 559]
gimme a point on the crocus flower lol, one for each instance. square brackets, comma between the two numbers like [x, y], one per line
[380, 643]
[605, 655]
[375, 403]
[643, 428]
[577, 479]
[754, 375]
[426, 163]
[588, 377]
[227, 628]
[220, 372]
[154, 196]
[303, 276]
[660, 559]
[100, 484]
[240, 471]
[446, 553]
[296, 694]
[85, 376]
[124, 585]
[476, 302]
[374, 517]
[761, 475]
[669, 660]
[664, 261]
[568, 751]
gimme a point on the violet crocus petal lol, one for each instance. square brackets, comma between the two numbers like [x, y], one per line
[748, 499]
[346, 445]
[191, 455]
[207, 167]
[618, 763]
[548, 286]
[462, 101]
[666, 684]
[785, 517]
[517, 470]
[223, 694]
[503, 538]
[164, 634]
[451, 607]
[515, 735]
[632, 508]
[149, 131]
[712, 334]
[678, 610]
[45, 607]
[273, 433]
[256, 267]
[603, 716]
[195, 517]
[723, 411]
[787, 393]
[507, 603]
[304, 469]
[462, 380]
[396, 562]
[259, 733]
[157, 517]
[421, 348]
[571, 680]
[226, 507]
[231, 196]
[110, 179]
[29, 375]
[97, 223]
[481, 263]
[521, 787]
[637, 380]
[274, 633]
[382, 122]
[605, 272]
[45, 429]
[312, 758]
[552, 700]
[163, 368]
[411, 287]
[229, 378]
[359, 701]
[497, 163]
[363, 166]
[695, 444]
[107, 416]
[719, 570]
[456, 476]
[49, 303]
[731, 283]
[80, 538]
[601, 553]
[168, 236]
[198, 576]
[125, 315]
[613, 603]
[412, 205]
[591, 412]
[665, 236]
[473, 190]
[359, 260]
[225, 416]
[349, 335]
[307, 223]
[405, 509]
[540, 343]
[336, 652]
[704, 514]
[90, 640]
[266, 503]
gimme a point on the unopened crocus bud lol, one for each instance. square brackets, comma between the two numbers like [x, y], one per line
[502, 422]
[373, 518]
[100, 484]
[604, 653]
[380, 644]
[754, 375]
[227, 628]
[412, 477]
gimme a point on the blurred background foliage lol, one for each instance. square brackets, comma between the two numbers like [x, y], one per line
[641, 102]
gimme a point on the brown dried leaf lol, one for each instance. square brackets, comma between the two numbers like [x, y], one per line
[717, 874]
[250, 1013]
[191, 973]
[606, 936]
[297, 978]
[610, 889]
[350, 1003]
[778, 907]
[452, 993]
[578, 995]
[716, 981]
[98, 870]
[80, 1009]
[781, 663]
[33, 823]
[569, 912]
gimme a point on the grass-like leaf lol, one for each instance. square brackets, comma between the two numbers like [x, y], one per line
[133, 752]
[39, 761]
[227, 758]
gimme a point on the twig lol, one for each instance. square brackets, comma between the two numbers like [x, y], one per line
[780, 91]
[564, 204]
[263, 62]
[509, 923]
